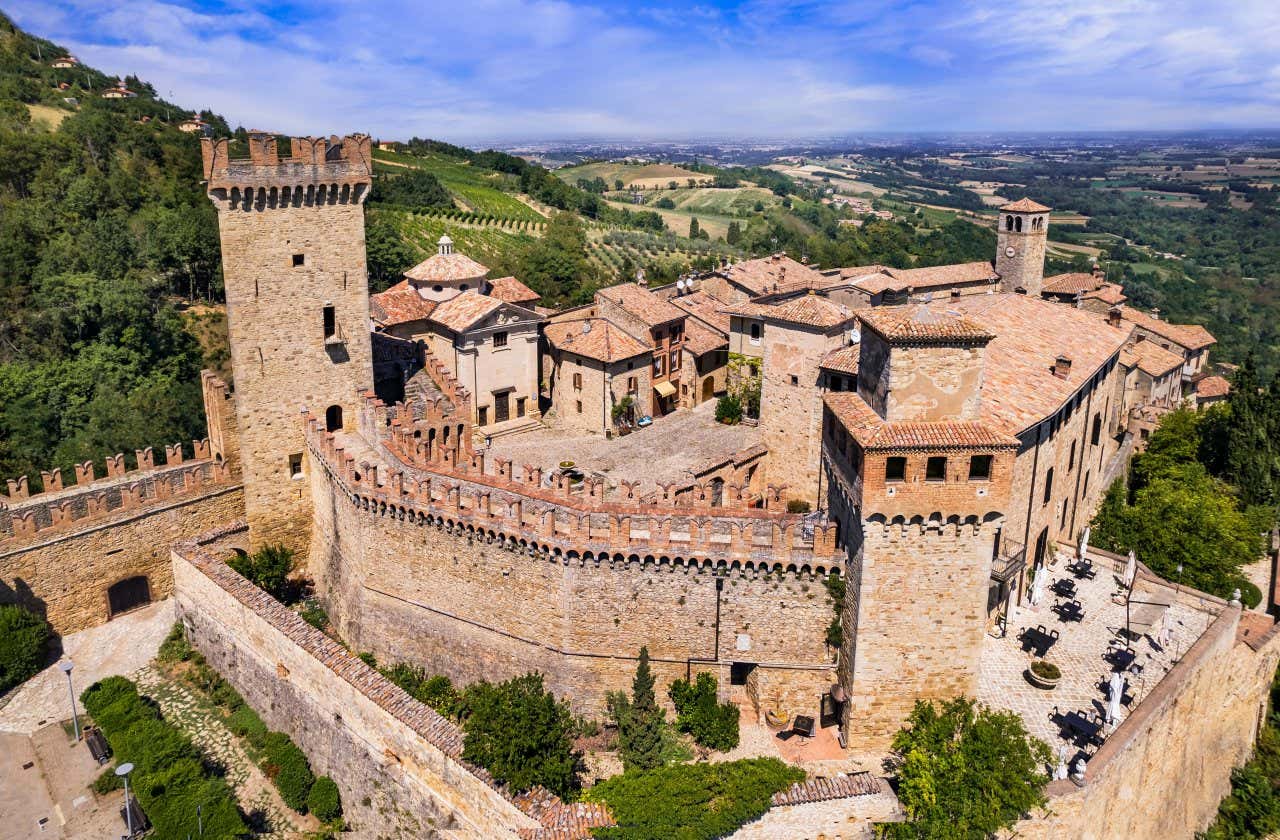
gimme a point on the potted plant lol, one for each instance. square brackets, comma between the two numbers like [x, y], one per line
[1043, 674]
[566, 465]
[777, 720]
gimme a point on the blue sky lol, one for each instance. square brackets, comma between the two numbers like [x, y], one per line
[505, 69]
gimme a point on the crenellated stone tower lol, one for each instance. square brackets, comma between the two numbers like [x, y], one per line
[919, 485]
[293, 262]
[1021, 238]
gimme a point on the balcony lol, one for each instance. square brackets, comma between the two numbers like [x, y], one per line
[1008, 561]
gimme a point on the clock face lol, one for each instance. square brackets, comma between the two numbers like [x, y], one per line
[1010, 251]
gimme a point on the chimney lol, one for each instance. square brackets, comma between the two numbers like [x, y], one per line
[1155, 314]
[1062, 367]
[1113, 316]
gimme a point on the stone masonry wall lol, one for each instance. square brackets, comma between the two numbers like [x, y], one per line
[1162, 773]
[474, 609]
[66, 574]
[791, 408]
[281, 359]
[393, 759]
[915, 615]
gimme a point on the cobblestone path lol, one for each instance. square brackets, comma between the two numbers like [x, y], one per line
[203, 724]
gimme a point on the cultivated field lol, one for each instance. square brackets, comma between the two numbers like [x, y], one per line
[647, 176]
[475, 190]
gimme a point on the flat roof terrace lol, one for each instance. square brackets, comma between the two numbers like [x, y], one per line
[675, 449]
[1079, 625]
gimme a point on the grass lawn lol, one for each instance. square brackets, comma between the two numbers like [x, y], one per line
[47, 117]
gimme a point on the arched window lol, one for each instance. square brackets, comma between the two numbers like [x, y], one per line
[333, 418]
[1017, 224]
[1008, 222]
[128, 594]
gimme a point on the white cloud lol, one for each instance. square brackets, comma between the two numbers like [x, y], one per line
[550, 68]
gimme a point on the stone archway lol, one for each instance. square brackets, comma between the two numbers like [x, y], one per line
[128, 594]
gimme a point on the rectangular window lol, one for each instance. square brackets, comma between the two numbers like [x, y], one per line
[1048, 485]
[895, 469]
[519, 406]
[299, 259]
[499, 339]
[330, 322]
[755, 333]
[295, 465]
[936, 469]
[675, 359]
[579, 406]
[631, 385]
[577, 383]
[483, 412]
[657, 365]
[980, 468]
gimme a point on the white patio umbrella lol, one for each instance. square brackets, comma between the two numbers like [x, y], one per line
[1008, 608]
[1084, 542]
[1061, 771]
[1114, 696]
[1038, 582]
[1130, 570]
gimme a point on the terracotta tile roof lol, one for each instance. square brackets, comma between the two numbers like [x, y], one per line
[1150, 358]
[944, 275]
[819, 790]
[925, 323]
[1190, 336]
[1076, 282]
[1018, 386]
[1025, 205]
[762, 275]
[603, 340]
[439, 268]
[1212, 387]
[460, 312]
[872, 432]
[641, 303]
[399, 305]
[699, 338]
[809, 309]
[842, 360]
[858, 271]
[1112, 293]
[513, 291]
[705, 308]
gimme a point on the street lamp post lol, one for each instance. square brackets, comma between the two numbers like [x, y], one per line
[123, 772]
[66, 666]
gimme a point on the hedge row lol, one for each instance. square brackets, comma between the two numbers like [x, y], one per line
[280, 759]
[169, 778]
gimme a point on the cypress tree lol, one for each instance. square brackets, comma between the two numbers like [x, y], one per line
[694, 230]
[640, 729]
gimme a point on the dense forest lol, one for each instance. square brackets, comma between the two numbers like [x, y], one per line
[103, 225]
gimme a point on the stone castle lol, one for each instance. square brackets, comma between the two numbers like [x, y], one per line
[932, 436]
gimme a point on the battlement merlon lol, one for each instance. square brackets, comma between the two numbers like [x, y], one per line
[336, 164]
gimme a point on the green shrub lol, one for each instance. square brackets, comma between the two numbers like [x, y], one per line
[324, 800]
[175, 647]
[268, 568]
[691, 801]
[245, 723]
[436, 690]
[1250, 594]
[24, 639]
[520, 733]
[1045, 670]
[287, 767]
[107, 781]
[798, 506]
[170, 778]
[729, 410]
[315, 615]
[712, 724]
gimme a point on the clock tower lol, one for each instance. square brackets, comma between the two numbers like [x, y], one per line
[1020, 244]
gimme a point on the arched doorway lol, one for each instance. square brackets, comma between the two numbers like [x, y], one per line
[717, 491]
[333, 418]
[128, 594]
[708, 388]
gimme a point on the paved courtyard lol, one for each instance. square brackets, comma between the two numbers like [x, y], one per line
[120, 646]
[1081, 651]
[667, 451]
